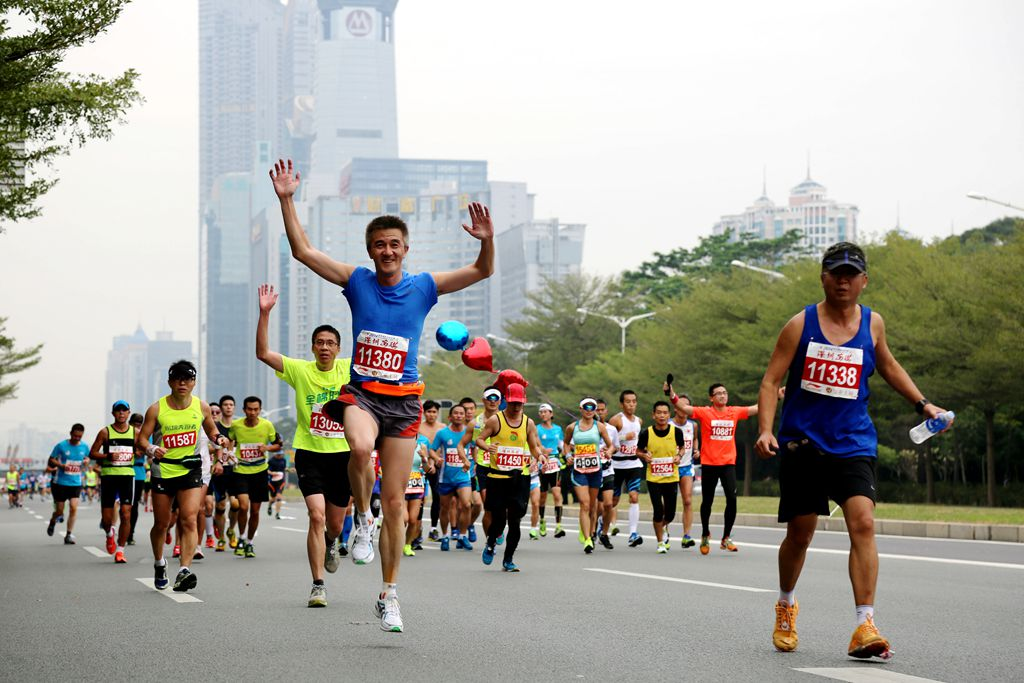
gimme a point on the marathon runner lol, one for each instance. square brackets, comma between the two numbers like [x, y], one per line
[479, 461]
[585, 438]
[381, 404]
[253, 437]
[552, 441]
[67, 458]
[476, 484]
[661, 446]
[688, 428]
[92, 480]
[826, 439]
[511, 439]
[628, 468]
[277, 471]
[428, 430]
[453, 481]
[114, 448]
[603, 513]
[222, 484]
[139, 471]
[414, 493]
[178, 419]
[321, 451]
[12, 486]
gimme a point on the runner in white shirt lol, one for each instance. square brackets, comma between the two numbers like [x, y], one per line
[686, 470]
[628, 468]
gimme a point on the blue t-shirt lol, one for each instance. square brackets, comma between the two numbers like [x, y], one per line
[277, 464]
[66, 454]
[551, 437]
[140, 467]
[386, 325]
[446, 442]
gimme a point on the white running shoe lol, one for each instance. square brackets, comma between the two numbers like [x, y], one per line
[318, 596]
[362, 544]
[390, 615]
[331, 557]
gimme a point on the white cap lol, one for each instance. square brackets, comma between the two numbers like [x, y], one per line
[545, 406]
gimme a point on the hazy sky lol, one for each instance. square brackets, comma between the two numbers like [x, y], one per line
[646, 121]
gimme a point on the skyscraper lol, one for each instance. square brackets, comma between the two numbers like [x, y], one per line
[137, 368]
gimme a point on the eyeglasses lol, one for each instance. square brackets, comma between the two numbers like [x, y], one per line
[329, 343]
[720, 392]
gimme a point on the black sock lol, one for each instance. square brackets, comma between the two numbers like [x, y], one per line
[318, 582]
[542, 511]
[558, 514]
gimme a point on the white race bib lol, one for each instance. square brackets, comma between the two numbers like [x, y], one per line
[510, 458]
[121, 456]
[321, 425]
[380, 355]
[832, 370]
[662, 467]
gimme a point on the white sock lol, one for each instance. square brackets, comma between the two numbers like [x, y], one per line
[209, 526]
[120, 548]
[787, 597]
[110, 531]
[388, 590]
[863, 612]
[161, 562]
[241, 539]
[363, 518]
[634, 517]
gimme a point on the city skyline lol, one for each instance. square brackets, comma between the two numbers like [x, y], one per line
[657, 134]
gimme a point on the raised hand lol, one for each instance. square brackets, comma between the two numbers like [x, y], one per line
[480, 215]
[285, 181]
[268, 297]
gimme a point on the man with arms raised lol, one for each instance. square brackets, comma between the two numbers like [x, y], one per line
[380, 407]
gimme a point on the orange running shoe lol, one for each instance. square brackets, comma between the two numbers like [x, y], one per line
[727, 544]
[705, 545]
[209, 541]
[177, 551]
[784, 636]
[111, 545]
[167, 538]
[868, 642]
[119, 557]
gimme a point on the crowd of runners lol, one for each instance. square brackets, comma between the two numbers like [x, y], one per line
[368, 452]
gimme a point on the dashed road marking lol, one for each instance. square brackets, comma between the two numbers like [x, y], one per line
[749, 589]
[862, 674]
[167, 593]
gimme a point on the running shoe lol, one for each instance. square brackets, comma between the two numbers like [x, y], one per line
[232, 538]
[160, 576]
[784, 636]
[543, 527]
[559, 531]
[600, 526]
[434, 535]
[534, 534]
[362, 544]
[662, 549]
[464, 544]
[606, 542]
[239, 549]
[249, 551]
[331, 558]
[131, 540]
[119, 558]
[615, 531]
[408, 551]
[472, 533]
[582, 536]
[60, 519]
[445, 544]
[588, 546]
[687, 542]
[501, 539]
[177, 551]
[417, 543]
[509, 567]
[167, 538]
[488, 555]
[635, 539]
[209, 541]
[455, 534]
[390, 615]
[69, 539]
[277, 516]
[269, 511]
[49, 528]
[705, 545]
[868, 642]
[111, 544]
[198, 554]
[343, 550]
[220, 545]
[727, 544]
[317, 596]
[185, 580]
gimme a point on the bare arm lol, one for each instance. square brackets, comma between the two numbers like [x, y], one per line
[893, 373]
[268, 297]
[96, 452]
[533, 439]
[490, 428]
[682, 410]
[483, 230]
[768, 396]
[146, 431]
[285, 184]
[209, 426]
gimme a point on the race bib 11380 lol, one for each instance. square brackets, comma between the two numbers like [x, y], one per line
[380, 355]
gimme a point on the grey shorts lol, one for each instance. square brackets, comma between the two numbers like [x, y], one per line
[396, 416]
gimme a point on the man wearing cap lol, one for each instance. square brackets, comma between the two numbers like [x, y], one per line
[114, 449]
[511, 440]
[826, 439]
[481, 459]
[585, 439]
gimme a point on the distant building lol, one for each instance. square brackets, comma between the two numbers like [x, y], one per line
[137, 369]
[821, 221]
[29, 447]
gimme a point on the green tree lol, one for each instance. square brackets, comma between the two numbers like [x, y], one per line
[13, 361]
[45, 112]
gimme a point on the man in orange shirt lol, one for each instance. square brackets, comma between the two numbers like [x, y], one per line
[717, 456]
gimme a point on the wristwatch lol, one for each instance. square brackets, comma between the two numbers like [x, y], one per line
[919, 406]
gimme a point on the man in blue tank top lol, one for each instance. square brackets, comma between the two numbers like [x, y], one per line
[827, 442]
[380, 407]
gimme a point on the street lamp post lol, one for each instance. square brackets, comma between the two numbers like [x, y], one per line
[623, 323]
[525, 347]
[764, 271]
[982, 198]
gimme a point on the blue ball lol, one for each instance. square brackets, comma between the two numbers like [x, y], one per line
[452, 335]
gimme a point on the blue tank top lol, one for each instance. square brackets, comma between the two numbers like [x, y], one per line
[550, 437]
[827, 391]
[386, 325]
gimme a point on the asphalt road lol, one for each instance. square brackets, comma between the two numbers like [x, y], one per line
[952, 610]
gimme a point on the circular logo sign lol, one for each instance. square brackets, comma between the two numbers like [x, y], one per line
[359, 23]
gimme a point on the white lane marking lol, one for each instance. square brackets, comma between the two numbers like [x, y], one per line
[288, 528]
[167, 592]
[38, 516]
[892, 556]
[93, 550]
[782, 528]
[862, 674]
[748, 589]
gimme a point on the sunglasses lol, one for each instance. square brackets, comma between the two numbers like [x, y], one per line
[590, 406]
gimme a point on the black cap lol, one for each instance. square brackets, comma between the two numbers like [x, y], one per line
[182, 369]
[844, 254]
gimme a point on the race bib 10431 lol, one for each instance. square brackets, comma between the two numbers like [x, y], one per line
[380, 355]
[250, 452]
[832, 370]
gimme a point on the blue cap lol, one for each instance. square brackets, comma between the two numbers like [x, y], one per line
[118, 405]
[844, 254]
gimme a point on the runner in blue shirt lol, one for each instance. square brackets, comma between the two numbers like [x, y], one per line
[453, 479]
[551, 439]
[68, 457]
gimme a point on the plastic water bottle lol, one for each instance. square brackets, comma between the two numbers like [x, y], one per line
[931, 427]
